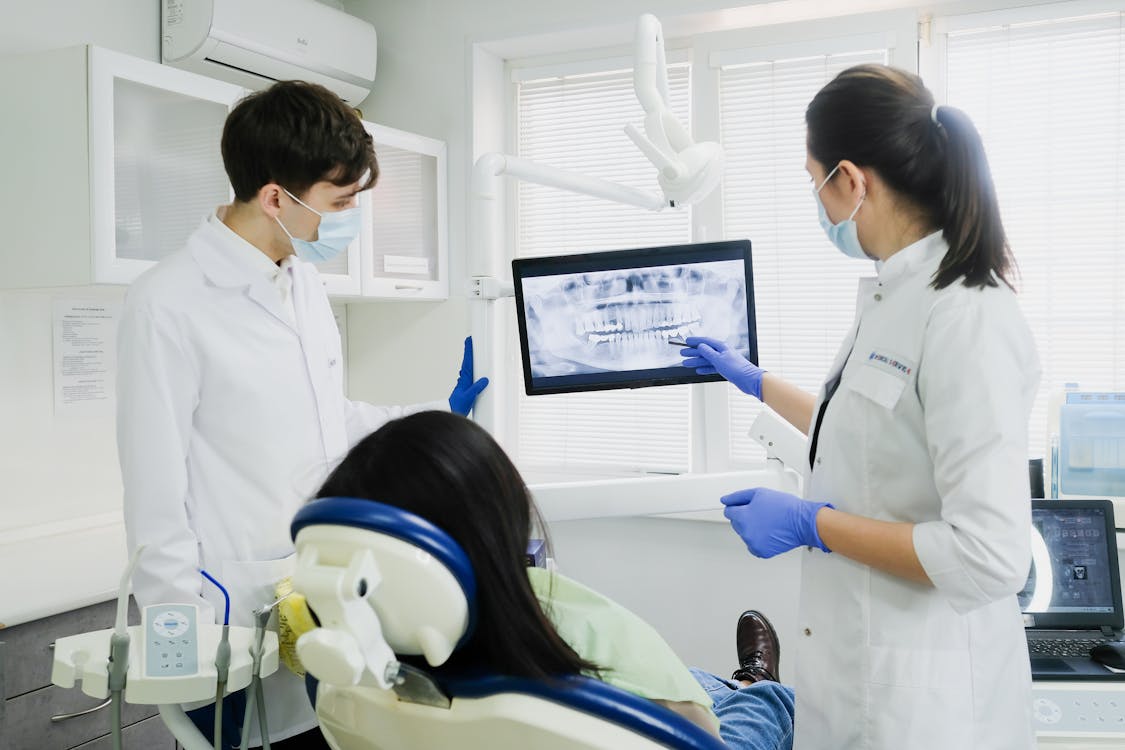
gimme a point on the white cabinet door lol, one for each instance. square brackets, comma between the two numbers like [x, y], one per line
[404, 250]
[155, 165]
[341, 275]
[110, 163]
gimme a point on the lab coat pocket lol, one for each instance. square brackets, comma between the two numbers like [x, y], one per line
[252, 584]
[920, 698]
[881, 387]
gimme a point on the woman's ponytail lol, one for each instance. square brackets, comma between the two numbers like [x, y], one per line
[968, 211]
[884, 118]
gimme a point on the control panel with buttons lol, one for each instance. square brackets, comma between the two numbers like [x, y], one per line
[1088, 709]
[171, 643]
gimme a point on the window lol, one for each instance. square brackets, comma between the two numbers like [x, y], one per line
[804, 289]
[1047, 97]
[1044, 84]
[575, 122]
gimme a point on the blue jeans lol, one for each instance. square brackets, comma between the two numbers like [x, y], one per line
[758, 717]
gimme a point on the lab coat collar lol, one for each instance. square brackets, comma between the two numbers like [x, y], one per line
[227, 260]
[923, 254]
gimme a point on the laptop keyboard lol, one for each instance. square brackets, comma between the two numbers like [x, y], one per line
[1063, 647]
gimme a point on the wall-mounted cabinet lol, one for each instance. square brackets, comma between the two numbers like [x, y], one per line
[402, 251]
[407, 240]
[110, 163]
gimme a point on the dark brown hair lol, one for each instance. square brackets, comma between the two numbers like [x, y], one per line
[446, 469]
[882, 118]
[295, 134]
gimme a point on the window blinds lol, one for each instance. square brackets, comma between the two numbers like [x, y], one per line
[1047, 98]
[804, 288]
[575, 122]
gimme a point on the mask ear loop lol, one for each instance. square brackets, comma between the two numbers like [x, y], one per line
[306, 205]
[826, 179]
[862, 198]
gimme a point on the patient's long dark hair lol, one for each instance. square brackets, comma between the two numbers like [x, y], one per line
[451, 472]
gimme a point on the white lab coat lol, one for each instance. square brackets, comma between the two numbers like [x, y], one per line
[928, 426]
[231, 410]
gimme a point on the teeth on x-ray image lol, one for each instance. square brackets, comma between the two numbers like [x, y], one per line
[612, 321]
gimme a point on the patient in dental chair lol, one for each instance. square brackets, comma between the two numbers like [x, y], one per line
[537, 624]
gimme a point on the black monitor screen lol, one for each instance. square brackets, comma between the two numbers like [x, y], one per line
[1071, 573]
[604, 320]
[1074, 565]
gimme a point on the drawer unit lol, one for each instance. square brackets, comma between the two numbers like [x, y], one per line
[28, 700]
[27, 658]
[29, 725]
[150, 734]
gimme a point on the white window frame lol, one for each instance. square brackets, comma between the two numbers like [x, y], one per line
[897, 31]
[517, 71]
[933, 56]
[707, 53]
[493, 63]
[932, 51]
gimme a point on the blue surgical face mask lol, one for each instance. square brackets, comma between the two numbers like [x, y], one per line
[845, 235]
[337, 230]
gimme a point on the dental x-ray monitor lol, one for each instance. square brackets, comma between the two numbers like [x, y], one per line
[605, 320]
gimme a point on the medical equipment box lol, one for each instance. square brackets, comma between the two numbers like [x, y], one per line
[536, 556]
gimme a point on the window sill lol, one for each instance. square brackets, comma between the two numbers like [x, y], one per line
[696, 494]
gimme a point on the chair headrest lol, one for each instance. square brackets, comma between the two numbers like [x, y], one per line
[425, 592]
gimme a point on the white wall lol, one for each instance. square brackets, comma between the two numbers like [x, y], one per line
[55, 468]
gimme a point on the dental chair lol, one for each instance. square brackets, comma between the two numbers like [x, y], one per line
[387, 586]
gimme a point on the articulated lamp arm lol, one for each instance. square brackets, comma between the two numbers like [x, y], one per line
[688, 171]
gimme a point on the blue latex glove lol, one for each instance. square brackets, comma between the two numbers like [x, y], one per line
[708, 356]
[465, 392]
[772, 522]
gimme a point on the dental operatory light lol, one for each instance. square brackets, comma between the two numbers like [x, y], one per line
[688, 171]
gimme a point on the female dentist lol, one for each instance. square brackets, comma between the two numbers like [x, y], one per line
[916, 517]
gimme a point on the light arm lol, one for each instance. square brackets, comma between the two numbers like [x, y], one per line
[688, 170]
[793, 404]
[883, 545]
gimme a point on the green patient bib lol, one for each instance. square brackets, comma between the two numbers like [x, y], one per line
[631, 654]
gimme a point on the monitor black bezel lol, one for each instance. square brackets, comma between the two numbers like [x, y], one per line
[1093, 620]
[633, 258]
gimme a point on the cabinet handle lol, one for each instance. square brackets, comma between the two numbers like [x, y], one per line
[63, 717]
[408, 288]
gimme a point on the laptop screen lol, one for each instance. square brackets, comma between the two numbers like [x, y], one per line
[1074, 580]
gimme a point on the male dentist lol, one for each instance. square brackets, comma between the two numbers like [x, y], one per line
[230, 390]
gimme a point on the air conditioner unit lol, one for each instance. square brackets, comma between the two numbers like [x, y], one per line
[254, 43]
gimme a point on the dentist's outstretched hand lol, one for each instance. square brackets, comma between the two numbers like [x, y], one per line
[466, 390]
[772, 522]
[708, 356]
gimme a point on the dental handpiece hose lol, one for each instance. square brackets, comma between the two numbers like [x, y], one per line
[118, 667]
[255, 678]
[255, 699]
[222, 663]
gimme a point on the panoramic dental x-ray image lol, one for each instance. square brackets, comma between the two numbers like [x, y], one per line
[623, 319]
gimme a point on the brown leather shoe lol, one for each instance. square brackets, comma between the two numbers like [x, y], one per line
[759, 652]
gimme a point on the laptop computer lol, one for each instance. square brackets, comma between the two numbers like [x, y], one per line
[1072, 599]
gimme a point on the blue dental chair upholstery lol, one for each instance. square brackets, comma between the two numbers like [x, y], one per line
[370, 568]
